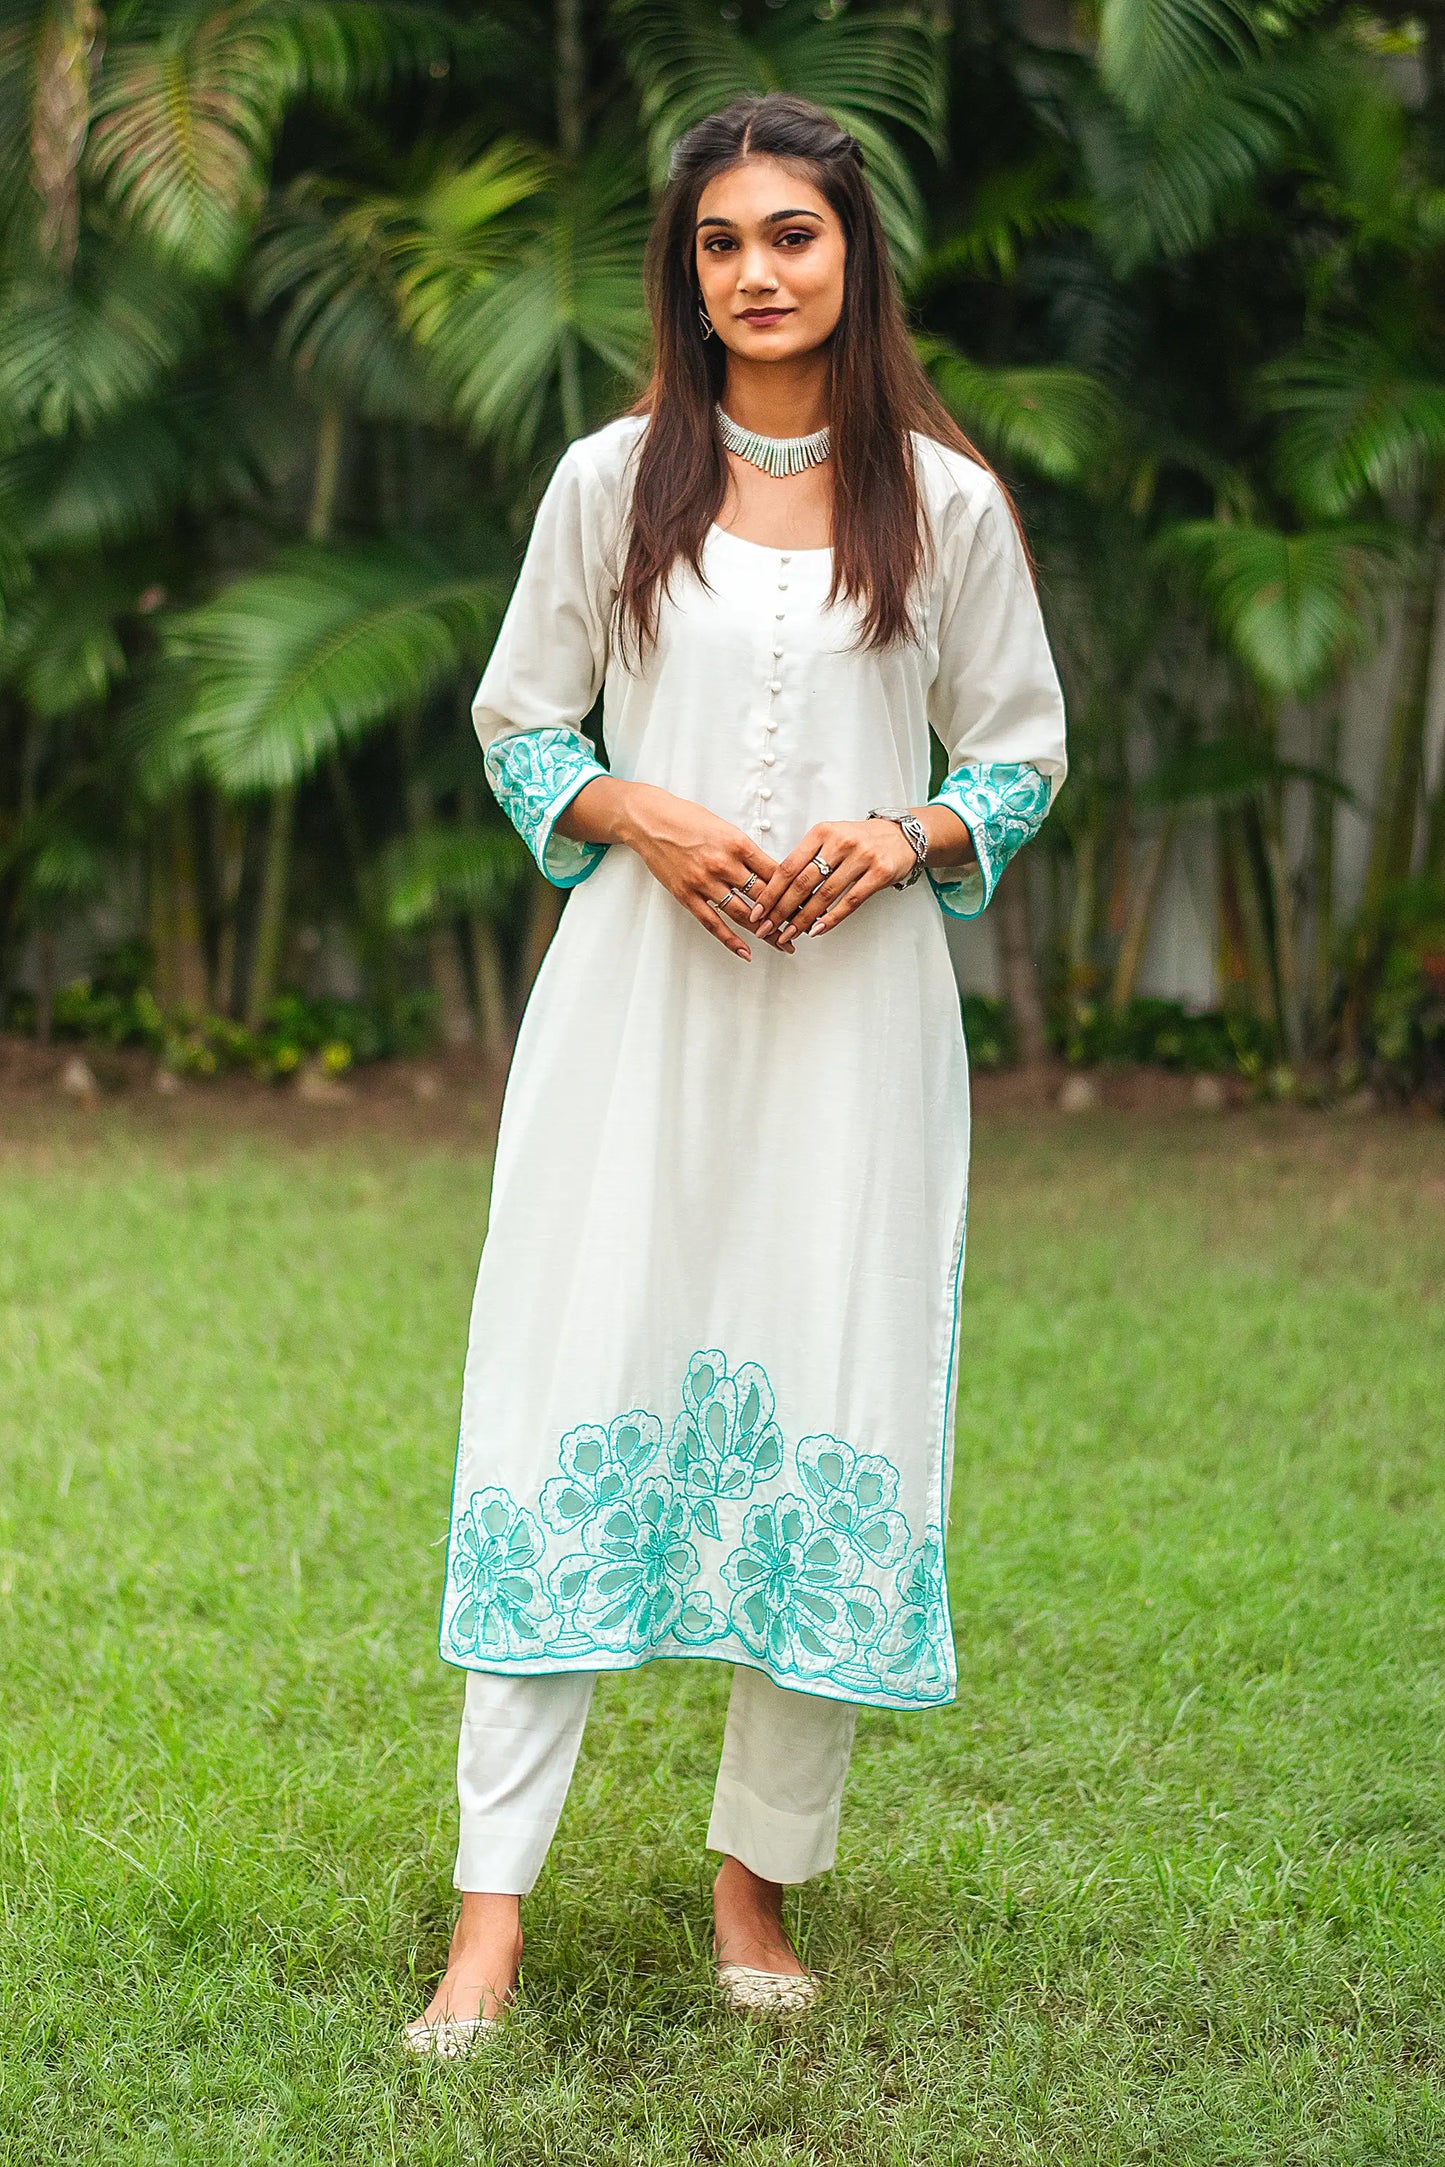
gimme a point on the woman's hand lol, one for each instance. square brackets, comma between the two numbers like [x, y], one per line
[702, 861]
[862, 856]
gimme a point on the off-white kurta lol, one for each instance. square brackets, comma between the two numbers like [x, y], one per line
[709, 1393]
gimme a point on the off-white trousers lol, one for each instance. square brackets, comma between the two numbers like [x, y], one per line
[775, 1807]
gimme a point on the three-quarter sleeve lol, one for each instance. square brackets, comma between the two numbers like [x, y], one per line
[547, 666]
[995, 701]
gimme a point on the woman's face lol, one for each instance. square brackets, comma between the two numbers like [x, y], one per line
[770, 257]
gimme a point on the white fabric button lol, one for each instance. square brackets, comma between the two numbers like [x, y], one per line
[770, 724]
[775, 686]
[765, 793]
[768, 759]
[765, 827]
[782, 586]
[777, 616]
[777, 654]
[786, 557]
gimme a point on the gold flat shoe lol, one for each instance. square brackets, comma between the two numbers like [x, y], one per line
[766, 1993]
[450, 2038]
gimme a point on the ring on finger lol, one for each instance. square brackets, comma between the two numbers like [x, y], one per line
[748, 885]
[823, 866]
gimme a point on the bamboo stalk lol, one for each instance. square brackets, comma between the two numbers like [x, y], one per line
[1141, 914]
[1018, 969]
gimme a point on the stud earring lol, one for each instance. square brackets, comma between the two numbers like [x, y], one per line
[705, 320]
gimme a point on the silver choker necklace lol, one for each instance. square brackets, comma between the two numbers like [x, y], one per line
[774, 454]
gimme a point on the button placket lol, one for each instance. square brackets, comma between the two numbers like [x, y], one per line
[775, 686]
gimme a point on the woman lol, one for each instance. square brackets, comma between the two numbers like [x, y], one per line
[708, 1403]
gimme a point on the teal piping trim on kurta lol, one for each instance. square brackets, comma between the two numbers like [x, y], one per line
[948, 1443]
[1002, 805]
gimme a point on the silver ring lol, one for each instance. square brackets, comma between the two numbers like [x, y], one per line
[723, 901]
[748, 885]
[823, 867]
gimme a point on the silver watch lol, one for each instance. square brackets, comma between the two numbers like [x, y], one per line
[917, 835]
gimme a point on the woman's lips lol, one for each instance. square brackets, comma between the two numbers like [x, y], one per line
[761, 316]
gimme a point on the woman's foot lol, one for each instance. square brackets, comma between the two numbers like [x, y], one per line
[748, 1922]
[486, 1951]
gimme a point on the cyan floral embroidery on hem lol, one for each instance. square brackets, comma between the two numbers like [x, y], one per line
[826, 1581]
[1002, 804]
[725, 1441]
[535, 774]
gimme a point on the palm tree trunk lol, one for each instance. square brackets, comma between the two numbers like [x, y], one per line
[445, 964]
[542, 918]
[271, 909]
[491, 983]
[1392, 837]
[280, 823]
[1141, 914]
[571, 80]
[1079, 968]
[45, 986]
[65, 55]
[1323, 811]
[449, 979]
[1253, 933]
[180, 964]
[1019, 971]
[1286, 933]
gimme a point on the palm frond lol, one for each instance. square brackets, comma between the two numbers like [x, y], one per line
[318, 649]
[454, 234]
[443, 871]
[320, 261]
[1010, 209]
[1058, 421]
[73, 351]
[203, 444]
[1228, 770]
[61, 646]
[1153, 51]
[1294, 608]
[185, 120]
[570, 281]
[1164, 189]
[873, 69]
[1360, 419]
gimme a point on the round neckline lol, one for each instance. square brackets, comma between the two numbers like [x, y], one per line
[768, 548]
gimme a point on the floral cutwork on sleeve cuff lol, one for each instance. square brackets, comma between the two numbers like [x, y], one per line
[1002, 805]
[535, 774]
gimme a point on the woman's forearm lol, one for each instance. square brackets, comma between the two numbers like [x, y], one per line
[603, 811]
[949, 842]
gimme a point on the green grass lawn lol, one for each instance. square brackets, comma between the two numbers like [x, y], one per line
[1164, 1885]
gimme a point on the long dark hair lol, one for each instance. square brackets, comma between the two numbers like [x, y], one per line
[878, 390]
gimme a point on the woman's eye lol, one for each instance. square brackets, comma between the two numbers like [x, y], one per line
[802, 234]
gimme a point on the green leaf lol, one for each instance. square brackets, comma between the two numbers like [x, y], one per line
[1293, 607]
[184, 122]
[1361, 418]
[872, 68]
[1151, 51]
[1061, 422]
[73, 352]
[444, 871]
[290, 663]
[566, 287]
